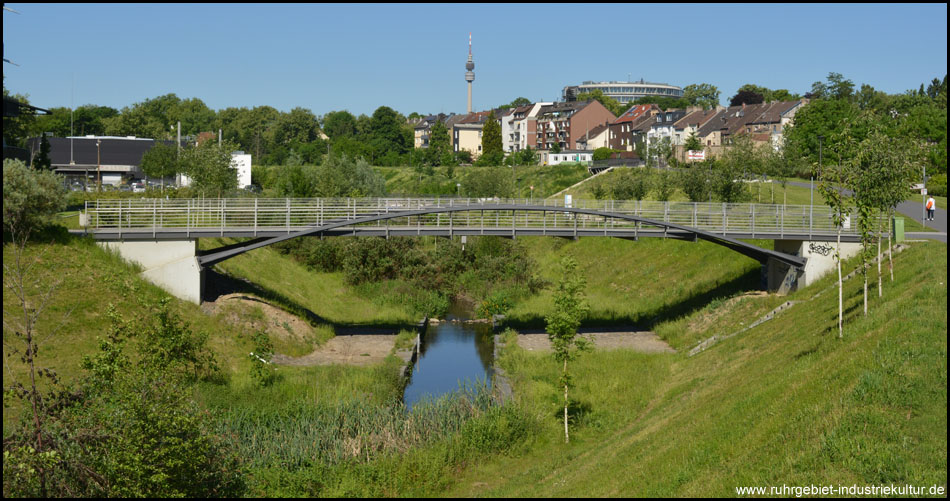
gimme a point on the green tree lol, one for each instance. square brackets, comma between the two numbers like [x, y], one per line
[692, 143]
[42, 161]
[521, 101]
[610, 103]
[664, 102]
[16, 129]
[664, 184]
[491, 138]
[30, 198]
[209, 167]
[830, 178]
[339, 124]
[556, 148]
[746, 97]
[488, 182]
[439, 143]
[161, 161]
[603, 153]
[704, 94]
[342, 176]
[697, 181]
[387, 132]
[570, 307]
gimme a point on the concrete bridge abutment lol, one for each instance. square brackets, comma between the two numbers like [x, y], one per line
[169, 264]
[782, 278]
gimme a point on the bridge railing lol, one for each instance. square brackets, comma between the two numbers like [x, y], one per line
[295, 214]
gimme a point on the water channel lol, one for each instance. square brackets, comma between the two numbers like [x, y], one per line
[452, 353]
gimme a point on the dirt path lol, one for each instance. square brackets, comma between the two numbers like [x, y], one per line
[356, 349]
[642, 341]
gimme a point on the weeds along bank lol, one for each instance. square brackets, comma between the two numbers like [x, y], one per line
[783, 403]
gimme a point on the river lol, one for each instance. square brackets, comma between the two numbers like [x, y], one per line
[452, 353]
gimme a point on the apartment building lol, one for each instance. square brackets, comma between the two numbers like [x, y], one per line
[565, 123]
[595, 138]
[467, 132]
[620, 135]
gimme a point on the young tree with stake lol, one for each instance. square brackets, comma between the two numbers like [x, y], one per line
[570, 306]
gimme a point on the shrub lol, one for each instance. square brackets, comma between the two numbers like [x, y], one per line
[30, 197]
[937, 185]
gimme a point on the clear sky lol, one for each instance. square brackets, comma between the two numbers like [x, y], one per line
[411, 57]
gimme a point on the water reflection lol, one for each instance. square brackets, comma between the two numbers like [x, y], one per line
[451, 353]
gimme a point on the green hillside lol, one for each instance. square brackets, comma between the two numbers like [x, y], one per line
[784, 403]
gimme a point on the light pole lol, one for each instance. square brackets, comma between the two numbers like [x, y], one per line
[98, 167]
[812, 189]
[458, 189]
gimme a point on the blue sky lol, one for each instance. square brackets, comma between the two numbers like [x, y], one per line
[411, 57]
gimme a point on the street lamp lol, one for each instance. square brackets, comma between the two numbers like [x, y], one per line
[98, 167]
[458, 189]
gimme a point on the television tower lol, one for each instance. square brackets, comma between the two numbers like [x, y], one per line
[469, 75]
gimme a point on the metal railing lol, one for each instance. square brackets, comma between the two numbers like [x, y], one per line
[296, 214]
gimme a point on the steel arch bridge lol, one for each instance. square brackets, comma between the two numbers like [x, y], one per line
[669, 230]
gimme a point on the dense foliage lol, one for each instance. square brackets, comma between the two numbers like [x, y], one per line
[424, 276]
[30, 197]
[128, 428]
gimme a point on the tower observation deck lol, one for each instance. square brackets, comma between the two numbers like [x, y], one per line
[469, 75]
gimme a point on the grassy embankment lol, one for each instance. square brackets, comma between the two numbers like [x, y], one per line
[92, 279]
[401, 181]
[784, 403]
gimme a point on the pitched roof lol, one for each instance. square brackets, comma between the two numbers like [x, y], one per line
[635, 112]
[696, 118]
[642, 124]
[597, 130]
[774, 111]
[566, 109]
[732, 119]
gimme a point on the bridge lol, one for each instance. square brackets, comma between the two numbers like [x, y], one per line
[162, 234]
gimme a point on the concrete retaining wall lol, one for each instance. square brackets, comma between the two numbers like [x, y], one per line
[171, 265]
[821, 260]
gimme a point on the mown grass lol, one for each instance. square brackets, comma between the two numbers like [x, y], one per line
[639, 283]
[784, 403]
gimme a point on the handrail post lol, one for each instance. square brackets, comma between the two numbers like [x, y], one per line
[753, 220]
[724, 219]
[287, 202]
[255, 217]
[781, 228]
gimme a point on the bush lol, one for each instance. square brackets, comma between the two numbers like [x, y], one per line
[937, 185]
[30, 197]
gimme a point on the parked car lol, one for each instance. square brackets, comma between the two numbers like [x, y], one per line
[138, 187]
[252, 188]
[125, 187]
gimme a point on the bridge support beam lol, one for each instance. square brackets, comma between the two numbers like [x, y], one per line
[782, 278]
[171, 265]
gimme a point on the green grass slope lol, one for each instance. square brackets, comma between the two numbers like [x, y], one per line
[784, 403]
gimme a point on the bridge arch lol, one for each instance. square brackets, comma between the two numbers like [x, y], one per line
[215, 256]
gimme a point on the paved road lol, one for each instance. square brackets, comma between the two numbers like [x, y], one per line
[914, 209]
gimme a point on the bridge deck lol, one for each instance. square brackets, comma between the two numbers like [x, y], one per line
[260, 217]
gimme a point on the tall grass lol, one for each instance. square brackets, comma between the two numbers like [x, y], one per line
[304, 434]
